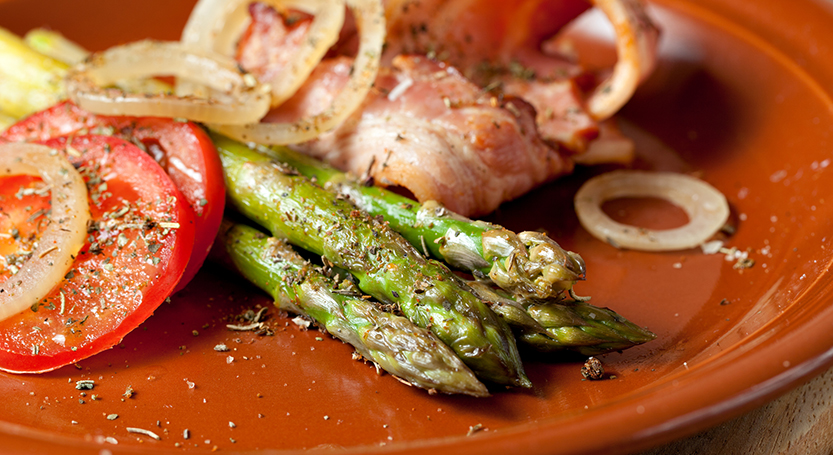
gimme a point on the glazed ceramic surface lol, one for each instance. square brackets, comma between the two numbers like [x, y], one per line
[741, 97]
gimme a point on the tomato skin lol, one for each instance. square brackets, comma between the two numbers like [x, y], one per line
[183, 149]
[137, 249]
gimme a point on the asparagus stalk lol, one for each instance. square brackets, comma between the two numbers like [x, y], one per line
[527, 264]
[530, 266]
[412, 354]
[385, 264]
[553, 326]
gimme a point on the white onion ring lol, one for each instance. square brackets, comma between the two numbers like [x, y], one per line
[215, 25]
[636, 48]
[370, 21]
[63, 237]
[241, 100]
[705, 206]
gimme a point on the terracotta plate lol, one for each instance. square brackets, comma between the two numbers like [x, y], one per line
[741, 96]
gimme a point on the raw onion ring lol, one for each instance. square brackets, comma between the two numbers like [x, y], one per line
[636, 48]
[705, 206]
[370, 21]
[64, 236]
[241, 99]
[215, 25]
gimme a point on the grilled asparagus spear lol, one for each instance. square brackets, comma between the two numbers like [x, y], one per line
[385, 264]
[527, 264]
[563, 326]
[408, 352]
[531, 267]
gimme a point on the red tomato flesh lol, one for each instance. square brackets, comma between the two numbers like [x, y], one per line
[138, 245]
[183, 149]
[24, 205]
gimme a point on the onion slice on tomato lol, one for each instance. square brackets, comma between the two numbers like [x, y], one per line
[215, 25]
[370, 21]
[705, 206]
[636, 48]
[63, 237]
[237, 97]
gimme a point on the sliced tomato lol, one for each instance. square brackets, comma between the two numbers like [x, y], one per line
[24, 205]
[183, 149]
[139, 242]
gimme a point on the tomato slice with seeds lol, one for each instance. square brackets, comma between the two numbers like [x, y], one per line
[139, 242]
[183, 149]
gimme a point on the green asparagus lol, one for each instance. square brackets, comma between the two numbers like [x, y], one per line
[564, 326]
[527, 264]
[411, 353]
[385, 264]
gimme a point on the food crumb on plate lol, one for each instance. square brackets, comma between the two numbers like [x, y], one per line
[592, 369]
[475, 429]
